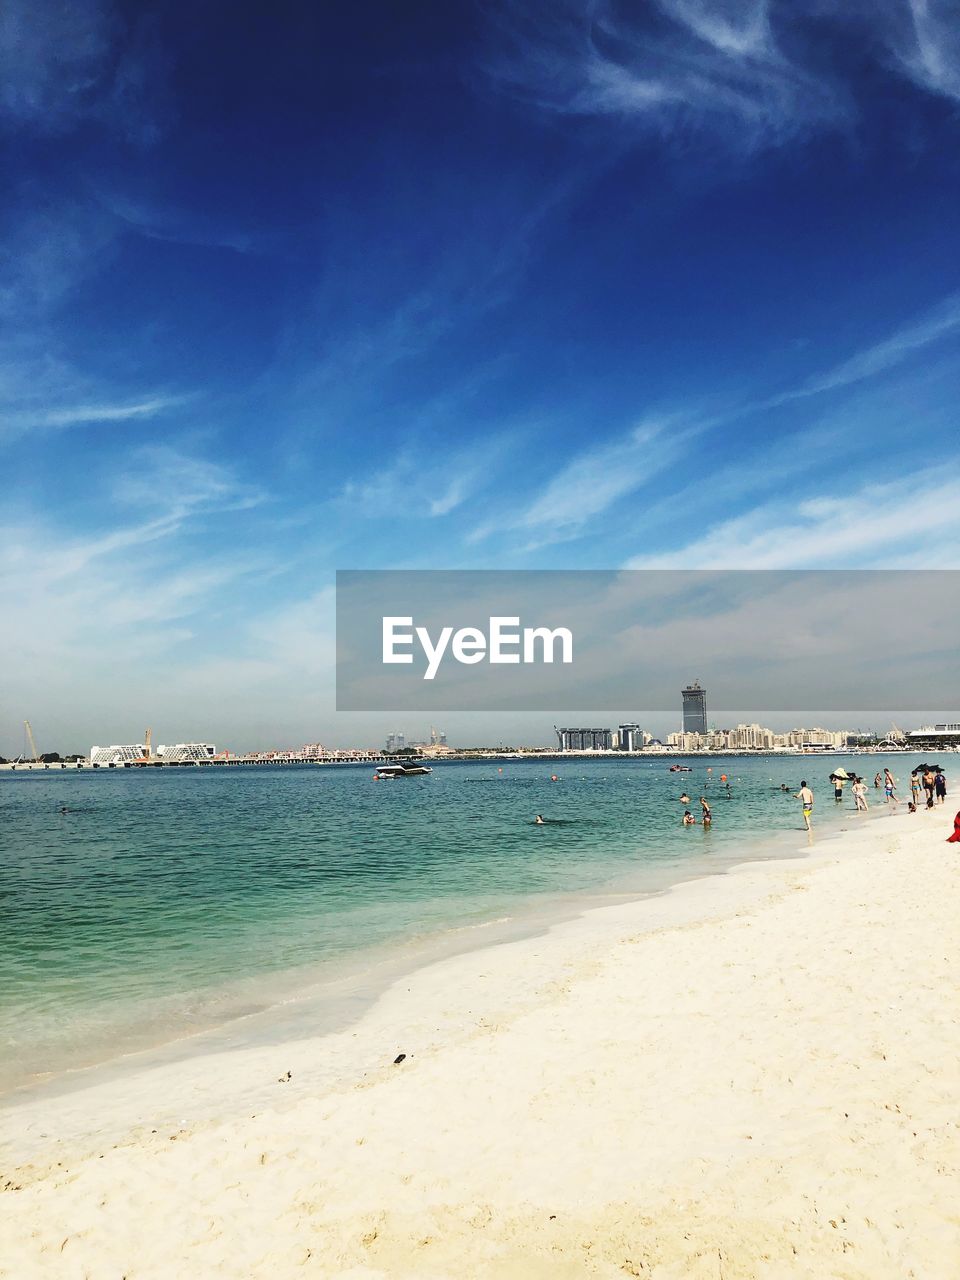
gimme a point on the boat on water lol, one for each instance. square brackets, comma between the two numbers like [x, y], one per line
[680, 768]
[386, 771]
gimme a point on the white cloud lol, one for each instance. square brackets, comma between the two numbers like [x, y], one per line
[746, 70]
[678, 63]
[91, 413]
[418, 483]
[929, 51]
[912, 519]
[593, 481]
[942, 321]
[181, 485]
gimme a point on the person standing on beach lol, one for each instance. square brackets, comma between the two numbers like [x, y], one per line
[890, 788]
[805, 796]
[915, 787]
[940, 786]
[929, 782]
[877, 780]
[860, 795]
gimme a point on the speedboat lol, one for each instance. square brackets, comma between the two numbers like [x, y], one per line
[680, 768]
[399, 771]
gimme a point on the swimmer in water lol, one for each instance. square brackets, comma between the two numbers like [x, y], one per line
[688, 819]
[684, 799]
[539, 821]
[707, 815]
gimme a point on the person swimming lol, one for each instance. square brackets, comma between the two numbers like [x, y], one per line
[539, 820]
[684, 799]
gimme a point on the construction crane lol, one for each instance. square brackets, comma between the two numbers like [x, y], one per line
[33, 745]
[146, 744]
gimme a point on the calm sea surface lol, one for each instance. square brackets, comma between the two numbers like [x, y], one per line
[168, 901]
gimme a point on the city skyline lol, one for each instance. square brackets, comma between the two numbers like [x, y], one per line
[737, 734]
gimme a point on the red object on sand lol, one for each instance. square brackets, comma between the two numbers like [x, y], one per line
[956, 830]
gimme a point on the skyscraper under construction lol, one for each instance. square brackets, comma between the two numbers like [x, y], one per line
[694, 708]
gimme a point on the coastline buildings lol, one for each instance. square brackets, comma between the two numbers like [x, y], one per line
[935, 737]
[186, 752]
[128, 753]
[629, 737]
[755, 737]
[584, 739]
[118, 754]
[694, 708]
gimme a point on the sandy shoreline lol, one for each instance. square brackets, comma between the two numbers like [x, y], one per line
[751, 1075]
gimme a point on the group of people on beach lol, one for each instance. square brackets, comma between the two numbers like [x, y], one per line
[931, 781]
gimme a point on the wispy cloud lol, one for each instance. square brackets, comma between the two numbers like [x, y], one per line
[53, 58]
[145, 582]
[163, 477]
[672, 65]
[940, 322]
[587, 486]
[414, 485]
[51, 245]
[92, 413]
[62, 65]
[927, 46]
[178, 226]
[746, 70]
[880, 525]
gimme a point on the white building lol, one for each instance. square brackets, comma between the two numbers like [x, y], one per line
[751, 736]
[186, 753]
[116, 755]
[816, 737]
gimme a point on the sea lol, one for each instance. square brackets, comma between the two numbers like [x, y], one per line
[153, 907]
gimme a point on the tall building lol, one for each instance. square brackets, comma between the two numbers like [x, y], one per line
[694, 708]
[630, 737]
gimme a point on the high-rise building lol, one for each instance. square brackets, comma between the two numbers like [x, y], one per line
[630, 737]
[694, 708]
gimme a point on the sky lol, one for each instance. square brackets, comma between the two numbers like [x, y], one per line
[299, 288]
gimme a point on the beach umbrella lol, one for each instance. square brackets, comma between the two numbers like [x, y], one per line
[840, 773]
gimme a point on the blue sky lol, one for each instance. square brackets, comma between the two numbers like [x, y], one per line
[491, 284]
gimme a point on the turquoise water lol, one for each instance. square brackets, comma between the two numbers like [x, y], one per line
[168, 901]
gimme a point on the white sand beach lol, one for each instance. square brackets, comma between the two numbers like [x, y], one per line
[754, 1074]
